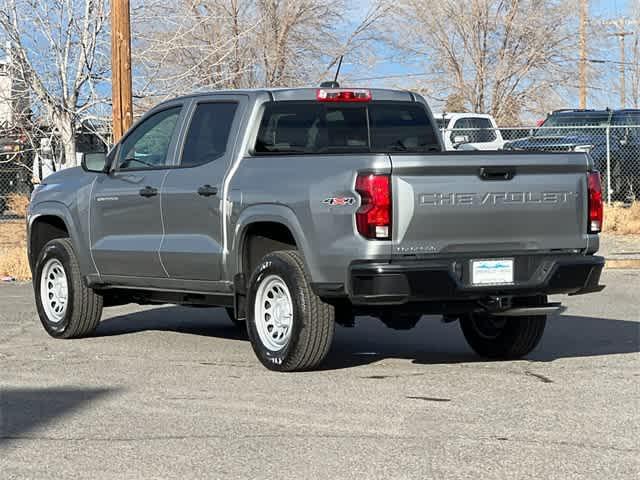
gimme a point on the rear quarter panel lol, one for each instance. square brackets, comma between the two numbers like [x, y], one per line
[268, 186]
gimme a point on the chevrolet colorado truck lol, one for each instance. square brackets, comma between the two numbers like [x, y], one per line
[296, 209]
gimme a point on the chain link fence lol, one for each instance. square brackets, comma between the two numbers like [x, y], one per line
[615, 149]
[26, 160]
[16, 172]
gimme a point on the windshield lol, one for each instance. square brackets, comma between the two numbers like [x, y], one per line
[564, 121]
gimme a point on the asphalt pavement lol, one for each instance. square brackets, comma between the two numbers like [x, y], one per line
[172, 392]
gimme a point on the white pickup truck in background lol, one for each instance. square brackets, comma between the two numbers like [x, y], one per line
[469, 131]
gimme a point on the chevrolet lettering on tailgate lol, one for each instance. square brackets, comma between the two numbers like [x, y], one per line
[495, 198]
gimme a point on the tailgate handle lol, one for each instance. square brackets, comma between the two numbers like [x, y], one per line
[497, 173]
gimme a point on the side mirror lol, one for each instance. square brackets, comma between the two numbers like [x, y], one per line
[94, 162]
[460, 139]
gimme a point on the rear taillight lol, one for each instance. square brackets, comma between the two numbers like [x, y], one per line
[595, 202]
[373, 218]
[343, 95]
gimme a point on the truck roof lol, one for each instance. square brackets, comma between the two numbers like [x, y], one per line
[303, 94]
[573, 111]
[450, 115]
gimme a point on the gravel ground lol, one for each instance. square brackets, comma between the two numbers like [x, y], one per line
[620, 247]
[170, 392]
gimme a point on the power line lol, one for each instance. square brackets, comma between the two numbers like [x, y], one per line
[399, 75]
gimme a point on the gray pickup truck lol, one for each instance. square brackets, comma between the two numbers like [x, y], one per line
[300, 208]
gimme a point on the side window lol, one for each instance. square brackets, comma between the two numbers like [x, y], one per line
[208, 133]
[458, 129]
[290, 128]
[148, 145]
[478, 130]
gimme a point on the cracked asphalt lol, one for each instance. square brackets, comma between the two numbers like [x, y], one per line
[171, 392]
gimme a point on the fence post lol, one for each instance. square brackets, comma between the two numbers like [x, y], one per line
[608, 164]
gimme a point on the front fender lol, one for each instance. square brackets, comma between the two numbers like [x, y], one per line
[79, 237]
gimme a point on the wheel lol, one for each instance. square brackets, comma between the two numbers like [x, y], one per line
[289, 326]
[231, 313]
[66, 306]
[505, 338]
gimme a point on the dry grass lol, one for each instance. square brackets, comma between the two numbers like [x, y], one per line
[623, 264]
[622, 220]
[18, 204]
[13, 251]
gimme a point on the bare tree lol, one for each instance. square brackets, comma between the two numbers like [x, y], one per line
[497, 55]
[209, 44]
[58, 50]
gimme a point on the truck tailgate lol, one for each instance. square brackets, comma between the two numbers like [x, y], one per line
[489, 202]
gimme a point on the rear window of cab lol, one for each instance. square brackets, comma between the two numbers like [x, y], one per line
[313, 128]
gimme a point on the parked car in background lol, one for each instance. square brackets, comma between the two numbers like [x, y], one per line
[469, 131]
[611, 137]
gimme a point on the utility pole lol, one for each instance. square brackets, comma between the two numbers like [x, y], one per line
[621, 34]
[582, 69]
[121, 68]
[635, 79]
[623, 67]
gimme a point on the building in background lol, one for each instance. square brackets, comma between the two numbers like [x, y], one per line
[14, 96]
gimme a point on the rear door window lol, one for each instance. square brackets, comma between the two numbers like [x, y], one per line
[208, 133]
[312, 127]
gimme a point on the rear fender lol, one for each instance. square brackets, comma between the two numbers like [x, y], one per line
[266, 213]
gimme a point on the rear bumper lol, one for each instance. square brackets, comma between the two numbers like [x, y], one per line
[375, 283]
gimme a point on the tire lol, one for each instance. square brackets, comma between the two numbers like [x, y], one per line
[231, 313]
[302, 345]
[502, 338]
[79, 314]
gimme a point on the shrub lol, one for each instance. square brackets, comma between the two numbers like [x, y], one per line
[621, 219]
[18, 204]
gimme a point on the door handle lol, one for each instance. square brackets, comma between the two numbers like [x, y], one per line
[207, 191]
[148, 192]
[497, 173]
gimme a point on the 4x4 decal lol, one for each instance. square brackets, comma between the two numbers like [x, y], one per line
[339, 201]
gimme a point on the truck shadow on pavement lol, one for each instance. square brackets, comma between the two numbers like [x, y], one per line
[207, 322]
[431, 342]
[24, 410]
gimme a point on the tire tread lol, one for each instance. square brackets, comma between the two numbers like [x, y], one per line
[87, 304]
[316, 334]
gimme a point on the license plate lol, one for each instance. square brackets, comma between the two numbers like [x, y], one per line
[491, 272]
